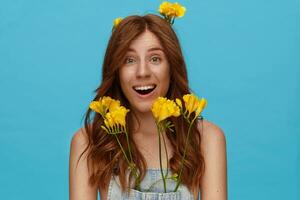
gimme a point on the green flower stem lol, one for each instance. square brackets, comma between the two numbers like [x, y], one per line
[166, 154]
[183, 157]
[160, 162]
[137, 177]
[125, 155]
[129, 163]
[151, 186]
[184, 114]
[129, 148]
[172, 20]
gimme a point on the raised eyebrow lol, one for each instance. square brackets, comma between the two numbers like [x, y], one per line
[155, 49]
[131, 50]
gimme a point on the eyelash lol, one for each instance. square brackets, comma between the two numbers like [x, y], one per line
[127, 60]
[156, 57]
[159, 59]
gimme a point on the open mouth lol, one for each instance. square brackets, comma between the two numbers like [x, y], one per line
[143, 90]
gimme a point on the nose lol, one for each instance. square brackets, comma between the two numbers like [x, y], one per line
[143, 70]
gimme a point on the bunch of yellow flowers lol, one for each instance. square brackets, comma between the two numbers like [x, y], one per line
[164, 108]
[112, 112]
[114, 116]
[194, 105]
[171, 10]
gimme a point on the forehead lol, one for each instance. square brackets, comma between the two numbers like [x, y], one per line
[147, 41]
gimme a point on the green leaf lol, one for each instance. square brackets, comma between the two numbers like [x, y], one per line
[174, 177]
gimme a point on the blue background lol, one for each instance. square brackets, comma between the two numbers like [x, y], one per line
[243, 56]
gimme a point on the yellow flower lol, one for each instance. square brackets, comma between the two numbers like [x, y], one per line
[104, 104]
[178, 101]
[117, 21]
[165, 8]
[119, 115]
[109, 121]
[179, 10]
[202, 105]
[116, 118]
[163, 108]
[171, 10]
[194, 104]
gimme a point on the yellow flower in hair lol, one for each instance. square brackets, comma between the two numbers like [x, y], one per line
[163, 108]
[104, 104]
[194, 104]
[179, 10]
[117, 21]
[165, 8]
[171, 10]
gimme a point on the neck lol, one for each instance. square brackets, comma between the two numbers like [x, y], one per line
[145, 123]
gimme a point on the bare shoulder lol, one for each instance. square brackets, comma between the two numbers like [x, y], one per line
[79, 186]
[213, 146]
[79, 139]
[213, 141]
[211, 133]
[78, 144]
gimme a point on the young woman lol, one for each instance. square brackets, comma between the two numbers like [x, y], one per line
[143, 61]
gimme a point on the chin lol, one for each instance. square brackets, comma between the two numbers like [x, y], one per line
[145, 108]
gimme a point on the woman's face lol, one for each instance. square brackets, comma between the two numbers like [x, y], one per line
[145, 73]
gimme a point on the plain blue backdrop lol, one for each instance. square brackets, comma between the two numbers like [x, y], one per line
[242, 56]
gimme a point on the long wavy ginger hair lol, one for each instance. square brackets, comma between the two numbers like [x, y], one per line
[104, 156]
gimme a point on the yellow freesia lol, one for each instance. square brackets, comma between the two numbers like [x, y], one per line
[116, 118]
[193, 104]
[178, 101]
[179, 10]
[164, 8]
[119, 115]
[171, 10]
[163, 108]
[202, 105]
[109, 121]
[117, 21]
[104, 104]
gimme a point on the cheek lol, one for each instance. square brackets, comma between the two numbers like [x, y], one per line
[167, 74]
[163, 75]
[124, 75]
[122, 78]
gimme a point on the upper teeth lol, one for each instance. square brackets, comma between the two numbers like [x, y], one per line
[144, 87]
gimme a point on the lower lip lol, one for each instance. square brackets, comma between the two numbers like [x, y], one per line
[144, 96]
